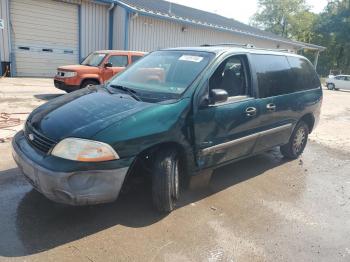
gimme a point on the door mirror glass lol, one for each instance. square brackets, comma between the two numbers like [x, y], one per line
[218, 96]
[108, 65]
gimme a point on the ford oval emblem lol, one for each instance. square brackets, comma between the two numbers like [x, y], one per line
[31, 137]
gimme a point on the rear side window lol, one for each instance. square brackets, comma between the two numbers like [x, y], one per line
[304, 75]
[118, 60]
[274, 75]
[340, 77]
[134, 58]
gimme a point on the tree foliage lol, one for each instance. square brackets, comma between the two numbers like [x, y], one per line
[293, 19]
[332, 30]
[279, 16]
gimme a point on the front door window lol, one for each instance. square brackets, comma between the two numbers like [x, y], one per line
[118, 60]
[232, 76]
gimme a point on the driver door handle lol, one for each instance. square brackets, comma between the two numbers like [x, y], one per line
[271, 107]
[250, 111]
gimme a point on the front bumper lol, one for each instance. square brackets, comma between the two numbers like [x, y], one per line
[65, 87]
[84, 187]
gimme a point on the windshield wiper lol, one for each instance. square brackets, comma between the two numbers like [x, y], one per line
[130, 91]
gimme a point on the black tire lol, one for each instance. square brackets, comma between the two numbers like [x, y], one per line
[297, 141]
[87, 83]
[166, 180]
[330, 86]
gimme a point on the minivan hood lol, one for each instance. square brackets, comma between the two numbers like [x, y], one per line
[83, 113]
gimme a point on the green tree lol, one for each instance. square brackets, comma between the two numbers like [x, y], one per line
[332, 30]
[283, 17]
[302, 25]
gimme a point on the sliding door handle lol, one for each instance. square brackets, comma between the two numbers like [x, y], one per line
[271, 107]
[250, 111]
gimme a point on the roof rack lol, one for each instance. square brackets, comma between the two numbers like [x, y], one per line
[250, 46]
[231, 44]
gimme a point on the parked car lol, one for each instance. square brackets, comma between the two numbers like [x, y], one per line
[338, 82]
[170, 116]
[95, 69]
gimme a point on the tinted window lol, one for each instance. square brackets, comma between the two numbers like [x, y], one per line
[118, 60]
[273, 74]
[134, 58]
[304, 75]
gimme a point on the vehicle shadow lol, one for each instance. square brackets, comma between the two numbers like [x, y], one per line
[343, 90]
[47, 97]
[41, 225]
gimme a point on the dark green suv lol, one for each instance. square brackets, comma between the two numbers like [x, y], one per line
[170, 115]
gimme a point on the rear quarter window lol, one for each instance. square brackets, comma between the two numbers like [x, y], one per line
[274, 75]
[304, 74]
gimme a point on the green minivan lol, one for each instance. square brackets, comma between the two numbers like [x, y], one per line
[169, 116]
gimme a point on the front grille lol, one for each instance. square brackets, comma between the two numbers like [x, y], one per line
[38, 140]
[59, 84]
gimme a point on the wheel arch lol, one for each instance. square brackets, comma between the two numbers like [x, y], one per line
[185, 153]
[90, 79]
[309, 119]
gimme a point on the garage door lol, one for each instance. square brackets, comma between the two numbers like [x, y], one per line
[44, 36]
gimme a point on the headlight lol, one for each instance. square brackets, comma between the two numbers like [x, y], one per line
[84, 150]
[66, 74]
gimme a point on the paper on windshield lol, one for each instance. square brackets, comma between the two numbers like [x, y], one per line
[191, 58]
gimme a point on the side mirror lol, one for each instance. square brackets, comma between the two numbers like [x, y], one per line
[108, 65]
[217, 96]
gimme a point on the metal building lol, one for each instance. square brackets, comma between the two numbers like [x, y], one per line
[40, 35]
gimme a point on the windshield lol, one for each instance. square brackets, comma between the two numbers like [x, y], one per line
[165, 72]
[93, 59]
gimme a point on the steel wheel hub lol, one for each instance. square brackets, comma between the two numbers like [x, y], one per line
[299, 140]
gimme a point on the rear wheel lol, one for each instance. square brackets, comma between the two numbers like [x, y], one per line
[166, 180]
[330, 86]
[297, 141]
[89, 83]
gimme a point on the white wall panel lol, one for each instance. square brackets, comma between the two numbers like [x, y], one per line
[94, 27]
[147, 34]
[44, 36]
[4, 34]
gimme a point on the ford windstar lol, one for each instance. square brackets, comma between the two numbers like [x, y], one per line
[174, 113]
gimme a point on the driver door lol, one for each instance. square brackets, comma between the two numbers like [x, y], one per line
[118, 64]
[227, 130]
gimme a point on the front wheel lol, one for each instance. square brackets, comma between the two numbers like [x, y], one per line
[165, 180]
[89, 83]
[297, 141]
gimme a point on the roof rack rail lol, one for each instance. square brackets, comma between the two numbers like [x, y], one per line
[231, 44]
[250, 46]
